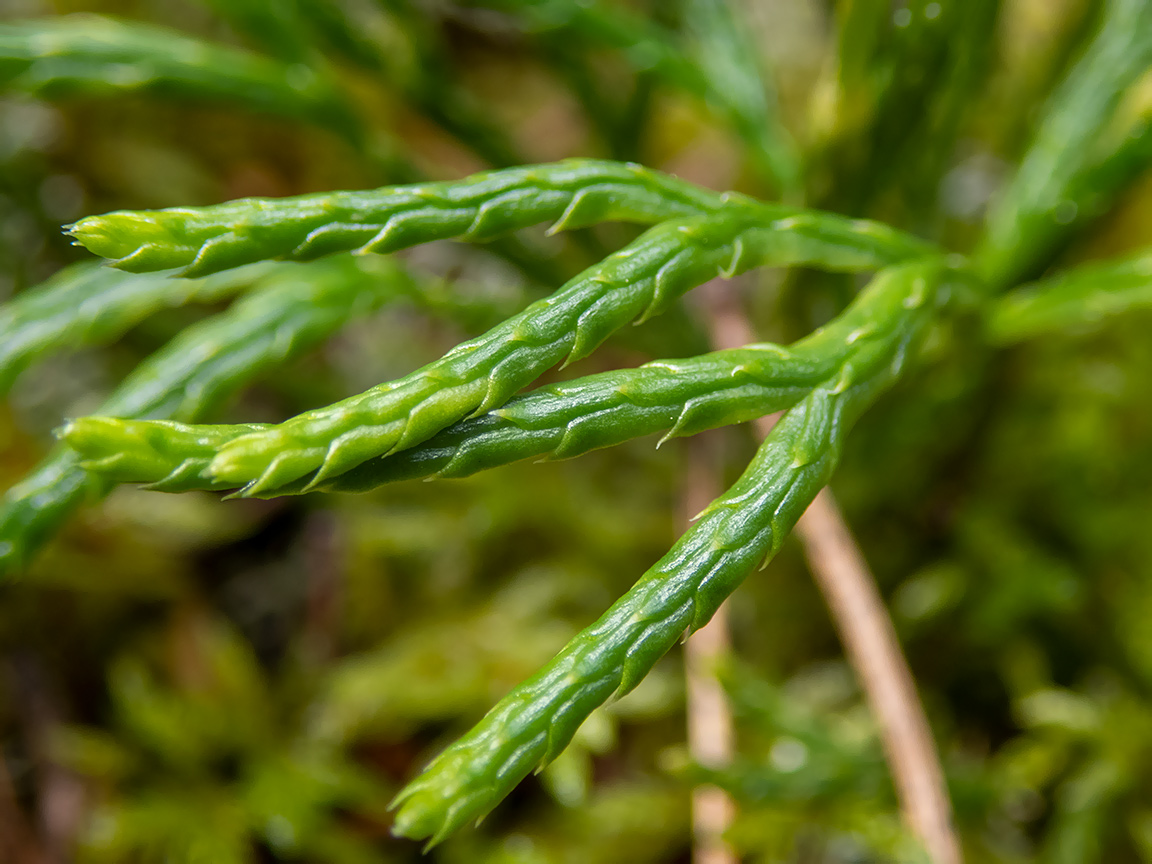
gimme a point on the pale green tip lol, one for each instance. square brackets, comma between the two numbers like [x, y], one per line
[136, 242]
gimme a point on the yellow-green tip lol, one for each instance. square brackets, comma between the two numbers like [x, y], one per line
[134, 241]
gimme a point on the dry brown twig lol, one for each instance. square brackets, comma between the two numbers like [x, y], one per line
[874, 651]
[18, 842]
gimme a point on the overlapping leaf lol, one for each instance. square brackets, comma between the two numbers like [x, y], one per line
[673, 397]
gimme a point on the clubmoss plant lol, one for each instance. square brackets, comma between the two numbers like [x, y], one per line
[829, 378]
[304, 266]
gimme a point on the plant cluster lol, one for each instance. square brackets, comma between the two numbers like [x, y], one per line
[868, 297]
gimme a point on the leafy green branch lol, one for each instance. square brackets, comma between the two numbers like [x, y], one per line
[1077, 298]
[205, 240]
[533, 723]
[291, 308]
[476, 376]
[1086, 149]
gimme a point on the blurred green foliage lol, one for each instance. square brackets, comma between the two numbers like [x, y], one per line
[186, 680]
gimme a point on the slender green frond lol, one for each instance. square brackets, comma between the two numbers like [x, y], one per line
[1076, 163]
[569, 194]
[724, 51]
[1079, 298]
[302, 31]
[861, 25]
[89, 55]
[533, 723]
[87, 304]
[350, 32]
[645, 44]
[296, 307]
[426, 78]
[33, 509]
[680, 397]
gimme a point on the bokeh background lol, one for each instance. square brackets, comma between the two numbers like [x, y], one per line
[189, 680]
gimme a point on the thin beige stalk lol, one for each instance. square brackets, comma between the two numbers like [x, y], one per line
[869, 639]
[874, 650]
